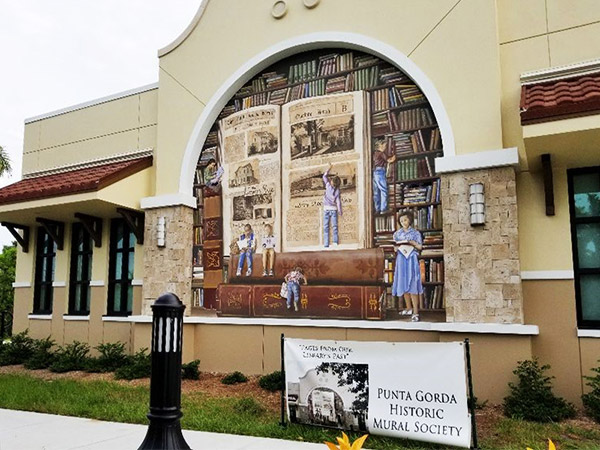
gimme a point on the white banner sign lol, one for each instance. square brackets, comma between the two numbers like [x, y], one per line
[410, 390]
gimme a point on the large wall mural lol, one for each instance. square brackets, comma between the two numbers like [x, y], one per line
[321, 172]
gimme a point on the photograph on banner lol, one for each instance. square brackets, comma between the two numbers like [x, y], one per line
[415, 391]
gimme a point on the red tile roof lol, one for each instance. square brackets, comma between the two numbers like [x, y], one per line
[72, 182]
[560, 99]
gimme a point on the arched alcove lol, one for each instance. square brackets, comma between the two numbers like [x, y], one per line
[274, 136]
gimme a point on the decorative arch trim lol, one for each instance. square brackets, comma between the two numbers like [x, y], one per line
[184, 35]
[298, 44]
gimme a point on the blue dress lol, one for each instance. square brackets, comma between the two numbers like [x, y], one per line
[407, 273]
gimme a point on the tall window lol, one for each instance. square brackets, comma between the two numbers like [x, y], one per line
[122, 249]
[45, 257]
[584, 202]
[81, 271]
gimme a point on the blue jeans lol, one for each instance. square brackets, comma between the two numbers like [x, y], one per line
[380, 189]
[330, 215]
[293, 293]
[243, 255]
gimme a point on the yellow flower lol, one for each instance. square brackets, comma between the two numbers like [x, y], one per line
[551, 445]
[344, 443]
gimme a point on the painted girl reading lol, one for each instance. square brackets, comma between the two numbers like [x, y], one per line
[407, 273]
[332, 206]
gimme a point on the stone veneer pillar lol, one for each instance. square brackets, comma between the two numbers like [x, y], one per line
[482, 273]
[168, 268]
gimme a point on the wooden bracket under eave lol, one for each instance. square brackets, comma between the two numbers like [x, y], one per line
[23, 240]
[135, 220]
[93, 225]
[55, 229]
[548, 183]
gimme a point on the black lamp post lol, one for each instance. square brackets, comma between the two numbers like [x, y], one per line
[164, 431]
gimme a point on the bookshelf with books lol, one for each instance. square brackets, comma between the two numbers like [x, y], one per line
[401, 117]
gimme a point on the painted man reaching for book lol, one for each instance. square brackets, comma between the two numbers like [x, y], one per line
[381, 159]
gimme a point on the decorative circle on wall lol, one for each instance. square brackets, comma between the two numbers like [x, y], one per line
[279, 9]
[311, 3]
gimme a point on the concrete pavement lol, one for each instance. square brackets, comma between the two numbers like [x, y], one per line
[21, 430]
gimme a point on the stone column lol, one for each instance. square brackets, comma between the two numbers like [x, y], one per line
[168, 268]
[482, 271]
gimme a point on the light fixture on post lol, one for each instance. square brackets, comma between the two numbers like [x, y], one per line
[477, 204]
[160, 232]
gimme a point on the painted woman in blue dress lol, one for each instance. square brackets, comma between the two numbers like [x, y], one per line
[407, 273]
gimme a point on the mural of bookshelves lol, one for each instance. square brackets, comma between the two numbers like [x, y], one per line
[402, 117]
[398, 113]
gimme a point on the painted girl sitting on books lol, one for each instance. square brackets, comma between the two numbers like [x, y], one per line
[407, 273]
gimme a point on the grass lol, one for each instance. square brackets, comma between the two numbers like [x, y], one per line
[106, 400]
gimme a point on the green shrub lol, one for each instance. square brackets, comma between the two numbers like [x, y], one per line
[234, 377]
[591, 400]
[272, 382]
[42, 356]
[190, 371]
[73, 356]
[135, 366]
[532, 398]
[249, 406]
[18, 350]
[112, 356]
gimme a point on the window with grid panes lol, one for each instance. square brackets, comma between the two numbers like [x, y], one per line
[81, 270]
[584, 203]
[122, 249]
[45, 261]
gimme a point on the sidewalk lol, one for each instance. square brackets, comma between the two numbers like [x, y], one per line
[21, 430]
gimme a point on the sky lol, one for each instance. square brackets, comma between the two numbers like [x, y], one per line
[58, 53]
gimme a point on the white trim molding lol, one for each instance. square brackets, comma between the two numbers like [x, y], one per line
[547, 275]
[588, 333]
[97, 283]
[39, 316]
[56, 284]
[561, 72]
[289, 47]
[134, 154]
[117, 318]
[164, 201]
[137, 282]
[475, 328]
[21, 284]
[97, 101]
[74, 318]
[480, 160]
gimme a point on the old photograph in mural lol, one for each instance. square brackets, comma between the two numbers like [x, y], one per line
[323, 179]
[331, 395]
[252, 173]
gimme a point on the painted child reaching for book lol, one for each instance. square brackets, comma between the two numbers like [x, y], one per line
[268, 252]
[293, 279]
[332, 206]
[407, 272]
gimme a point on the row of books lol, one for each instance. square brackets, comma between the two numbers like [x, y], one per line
[433, 297]
[303, 71]
[198, 235]
[389, 122]
[432, 270]
[409, 169]
[334, 62]
[416, 194]
[212, 139]
[197, 256]
[428, 218]
[198, 298]
[385, 223]
[198, 216]
[395, 96]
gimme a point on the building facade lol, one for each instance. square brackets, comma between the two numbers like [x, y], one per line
[489, 117]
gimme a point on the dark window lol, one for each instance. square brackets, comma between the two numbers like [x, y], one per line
[81, 271]
[584, 204]
[122, 249]
[45, 257]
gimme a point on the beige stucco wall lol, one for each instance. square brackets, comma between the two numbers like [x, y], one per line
[455, 46]
[114, 127]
